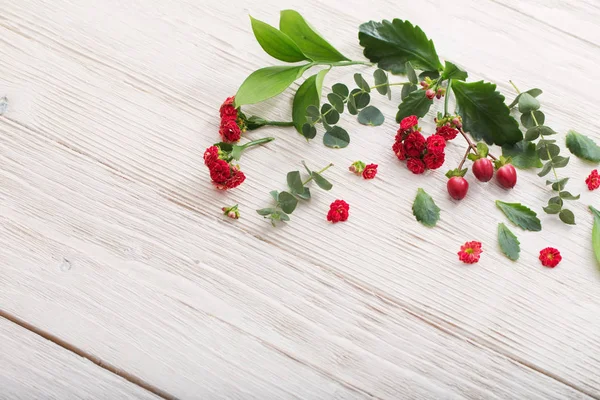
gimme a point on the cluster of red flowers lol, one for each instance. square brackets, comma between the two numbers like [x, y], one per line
[338, 211]
[420, 153]
[593, 181]
[230, 129]
[368, 171]
[224, 174]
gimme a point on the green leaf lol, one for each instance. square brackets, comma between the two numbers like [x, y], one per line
[308, 40]
[236, 152]
[453, 71]
[548, 151]
[361, 83]
[341, 90]
[276, 43]
[330, 114]
[406, 90]
[336, 138]
[265, 211]
[381, 81]
[509, 244]
[567, 216]
[484, 113]
[520, 215]
[482, 150]
[583, 147]
[596, 234]
[336, 101]
[308, 131]
[568, 196]
[313, 112]
[283, 216]
[370, 116]
[535, 132]
[294, 182]
[361, 99]
[411, 74]
[287, 202]
[529, 122]
[415, 103]
[546, 169]
[528, 103]
[392, 44]
[532, 92]
[523, 154]
[553, 208]
[274, 194]
[429, 74]
[305, 195]
[320, 181]
[559, 184]
[560, 161]
[266, 83]
[308, 94]
[425, 209]
[544, 142]
[555, 200]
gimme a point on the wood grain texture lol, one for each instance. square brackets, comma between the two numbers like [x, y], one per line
[34, 368]
[111, 235]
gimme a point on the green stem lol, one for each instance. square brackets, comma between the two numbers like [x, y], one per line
[279, 123]
[318, 172]
[448, 91]
[257, 142]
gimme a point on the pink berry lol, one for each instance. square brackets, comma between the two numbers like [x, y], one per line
[430, 94]
[457, 187]
[507, 176]
[483, 169]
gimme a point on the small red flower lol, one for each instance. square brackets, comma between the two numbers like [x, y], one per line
[550, 257]
[370, 171]
[415, 165]
[447, 132]
[414, 144]
[408, 122]
[434, 160]
[470, 252]
[227, 110]
[338, 211]
[230, 131]
[398, 148]
[436, 144]
[211, 155]
[593, 181]
[220, 171]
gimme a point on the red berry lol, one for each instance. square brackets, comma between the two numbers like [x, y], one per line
[430, 94]
[458, 187]
[507, 176]
[483, 169]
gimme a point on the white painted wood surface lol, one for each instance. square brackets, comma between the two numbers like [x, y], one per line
[111, 236]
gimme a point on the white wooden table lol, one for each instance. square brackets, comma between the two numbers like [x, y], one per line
[113, 247]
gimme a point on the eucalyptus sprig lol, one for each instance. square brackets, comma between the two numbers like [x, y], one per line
[286, 201]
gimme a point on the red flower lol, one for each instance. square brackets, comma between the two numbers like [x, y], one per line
[227, 110]
[593, 181]
[399, 135]
[234, 181]
[230, 131]
[550, 257]
[211, 155]
[436, 144]
[398, 148]
[408, 122]
[447, 132]
[415, 165]
[220, 171]
[370, 171]
[434, 160]
[414, 144]
[470, 252]
[338, 211]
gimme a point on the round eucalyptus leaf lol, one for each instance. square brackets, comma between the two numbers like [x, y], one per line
[341, 90]
[360, 98]
[361, 83]
[528, 121]
[309, 131]
[313, 112]
[287, 202]
[336, 138]
[551, 149]
[336, 101]
[351, 104]
[381, 81]
[528, 103]
[370, 116]
[406, 90]
[330, 114]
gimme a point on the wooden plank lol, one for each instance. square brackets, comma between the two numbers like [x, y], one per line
[35, 368]
[122, 120]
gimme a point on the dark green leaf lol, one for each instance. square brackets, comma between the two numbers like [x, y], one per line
[330, 114]
[320, 181]
[287, 202]
[406, 90]
[415, 104]
[305, 195]
[535, 132]
[308, 40]
[392, 44]
[370, 116]
[294, 182]
[520, 215]
[523, 155]
[351, 104]
[529, 122]
[528, 103]
[596, 234]
[425, 209]
[306, 168]
[567, 216]
[308, 131]
[276, 43]
[266, 83]
[341, 90]
[484, 113]
[532, 92]
[429, 74]
[274, 194]
[583, 147]
[553, 209]
[336, 101]
[411, 74]
[568, 196]
[546, 169]
[559, 184]
[549, 151]
[265, 211]
[555, 200]
[560, 161]
[361, 99]
[336, 138]
[544, 142]
[509, 244]
[361, 83]
[453, 71]
[381, 81]
[283, 216]
[313, 112]
[308, 94]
